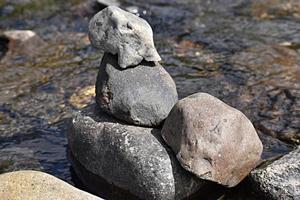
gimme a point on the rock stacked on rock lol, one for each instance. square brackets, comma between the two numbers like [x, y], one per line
[35, 185]
[131, 88]
[119, 32]
[212, 140]
[142, 95]
[118, 142]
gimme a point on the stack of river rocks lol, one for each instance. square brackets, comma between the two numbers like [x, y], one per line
[118, 144]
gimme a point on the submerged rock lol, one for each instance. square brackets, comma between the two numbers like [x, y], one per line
[132, 158]
[35, 185]
[212, 140]
[143, 95]
[281, 179]
[119, 32]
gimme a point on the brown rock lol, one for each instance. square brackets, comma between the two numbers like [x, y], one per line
[212, 140]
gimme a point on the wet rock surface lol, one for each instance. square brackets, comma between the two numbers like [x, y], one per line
[119, 32]
[129, 157]
[281, 179]
[37, 185]
[221, 47]
[212, 140]
[143, 95]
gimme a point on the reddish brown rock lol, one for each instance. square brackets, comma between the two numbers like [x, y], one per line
[212, 140]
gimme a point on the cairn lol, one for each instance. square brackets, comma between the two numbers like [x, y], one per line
[117, 144]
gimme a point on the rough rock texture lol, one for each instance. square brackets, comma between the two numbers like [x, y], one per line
[129, 157]
[212, 140]
[281, 179]
[36, 185]
[143, 95]
[119, 32]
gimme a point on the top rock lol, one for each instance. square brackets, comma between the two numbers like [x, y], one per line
[119, 32]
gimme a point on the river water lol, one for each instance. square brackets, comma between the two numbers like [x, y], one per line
[247, 53]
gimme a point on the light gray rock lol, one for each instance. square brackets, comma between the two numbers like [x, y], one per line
[281, 179]
[143, 95]
[212, 140]
[35, 185]
[130, 157]
[119, 32]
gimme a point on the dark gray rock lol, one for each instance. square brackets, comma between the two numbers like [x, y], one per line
[143, 95]
[212, 140]
[119, 32]
[130, 157]
[281, 179]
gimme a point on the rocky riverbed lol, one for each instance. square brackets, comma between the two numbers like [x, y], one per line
[243, 52]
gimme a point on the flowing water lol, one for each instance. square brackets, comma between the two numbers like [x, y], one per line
[246, 53]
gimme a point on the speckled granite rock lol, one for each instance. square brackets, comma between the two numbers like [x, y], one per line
[212, 140]
[129, 157]
[119, 32]
[35, 185]
[281, 179]
[143, 95]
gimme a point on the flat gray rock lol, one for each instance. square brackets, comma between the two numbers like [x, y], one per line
[119, 32]
[212, 140]
[143, 95]
[281, 179]
[130, 157]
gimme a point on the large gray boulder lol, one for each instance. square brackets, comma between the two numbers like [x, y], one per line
[132, 158]
[35, 185]
[143, 95]
[281, 179]
[212, 140]
[119, 32]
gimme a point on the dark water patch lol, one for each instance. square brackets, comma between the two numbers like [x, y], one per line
[48, 147]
